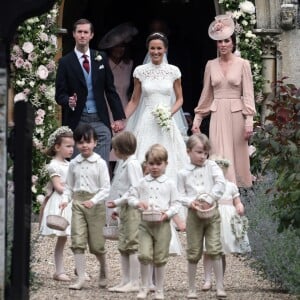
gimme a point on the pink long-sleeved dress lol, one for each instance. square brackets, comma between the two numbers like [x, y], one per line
[229, 98]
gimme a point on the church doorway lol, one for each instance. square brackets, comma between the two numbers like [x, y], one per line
[188, 21]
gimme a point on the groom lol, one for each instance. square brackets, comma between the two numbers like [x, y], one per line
[84, 87]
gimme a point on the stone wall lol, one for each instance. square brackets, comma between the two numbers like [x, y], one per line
[289, 61]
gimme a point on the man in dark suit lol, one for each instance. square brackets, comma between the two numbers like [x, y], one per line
[84, 86]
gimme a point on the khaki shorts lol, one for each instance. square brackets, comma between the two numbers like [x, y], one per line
[196, 230]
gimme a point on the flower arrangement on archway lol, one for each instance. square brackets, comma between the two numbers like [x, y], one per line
[249, 44]
[33, 70]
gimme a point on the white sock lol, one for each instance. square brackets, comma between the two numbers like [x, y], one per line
[134, 266]
[207, 266]
[151, 274]
[59, 254]
[159, 277]
[103, 267]
[124, 269]
[80, 266]
[145, 275]
[218, 270]
[192, 269]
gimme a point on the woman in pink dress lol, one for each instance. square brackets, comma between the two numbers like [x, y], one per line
[228, 96]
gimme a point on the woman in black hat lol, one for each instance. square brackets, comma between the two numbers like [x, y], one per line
[116, 44]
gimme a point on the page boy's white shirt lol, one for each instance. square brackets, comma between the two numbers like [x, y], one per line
[206, 181]
[88, 175]
[161, 193]
[128, 174]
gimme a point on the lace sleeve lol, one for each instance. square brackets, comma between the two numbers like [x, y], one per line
[175, 72]
[137, 73]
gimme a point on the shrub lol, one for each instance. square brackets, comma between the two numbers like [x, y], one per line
[275, 255]
[277, 143]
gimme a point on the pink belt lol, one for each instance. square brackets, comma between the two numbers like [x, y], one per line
[226, 201]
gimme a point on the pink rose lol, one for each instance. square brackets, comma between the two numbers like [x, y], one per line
[19, 62]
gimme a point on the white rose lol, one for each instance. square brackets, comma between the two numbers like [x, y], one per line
[42, 72]
[247, 7]
[28, 47]
[50, 92]
[43, 37]
[20, 83]
[20, 97]
[32, 83]
[40, 199]
[244, 22]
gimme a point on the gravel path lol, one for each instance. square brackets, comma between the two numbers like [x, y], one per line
[240, 281]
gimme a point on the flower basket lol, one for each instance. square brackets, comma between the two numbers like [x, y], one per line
[111, 232]
[57, 222]
[206, 213]
[151, 216]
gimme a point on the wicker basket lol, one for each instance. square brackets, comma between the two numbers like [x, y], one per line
[111, 232]
[206, 213]
[151, 216]
[57, 222]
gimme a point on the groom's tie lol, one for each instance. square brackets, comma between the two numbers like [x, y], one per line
[85, 63]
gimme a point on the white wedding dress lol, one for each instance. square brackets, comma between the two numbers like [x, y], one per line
[157, 89]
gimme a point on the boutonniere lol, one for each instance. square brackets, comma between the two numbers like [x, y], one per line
[98, 57]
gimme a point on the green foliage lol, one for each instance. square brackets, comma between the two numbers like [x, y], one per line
[275, 255]
[277, 143]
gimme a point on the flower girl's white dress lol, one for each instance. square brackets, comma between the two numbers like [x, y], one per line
[157, 89]
[229, 242]
[56, 168]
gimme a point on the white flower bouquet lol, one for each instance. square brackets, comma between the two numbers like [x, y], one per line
[163, 116]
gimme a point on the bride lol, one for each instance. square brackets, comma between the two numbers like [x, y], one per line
[156, 84]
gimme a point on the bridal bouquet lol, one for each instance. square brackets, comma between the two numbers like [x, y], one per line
[163, 116]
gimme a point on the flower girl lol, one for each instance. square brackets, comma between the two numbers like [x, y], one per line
[60, 147]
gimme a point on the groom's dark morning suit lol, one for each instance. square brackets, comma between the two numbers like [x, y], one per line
[70, 79]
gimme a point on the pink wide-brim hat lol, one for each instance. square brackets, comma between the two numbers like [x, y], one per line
[221, 28]
[122, 33]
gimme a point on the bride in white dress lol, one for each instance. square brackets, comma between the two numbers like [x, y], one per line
[157, 83]
[154, 84]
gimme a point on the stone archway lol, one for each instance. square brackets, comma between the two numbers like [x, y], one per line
[188, 21]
